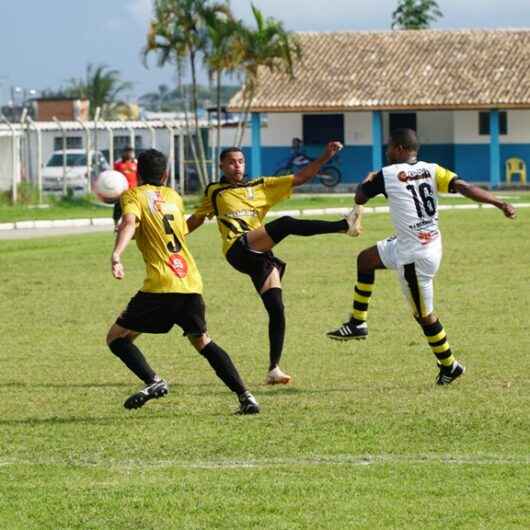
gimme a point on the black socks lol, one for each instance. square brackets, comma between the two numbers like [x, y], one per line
[133, 358]
[224, 367]
[272, 300]
[286, 226]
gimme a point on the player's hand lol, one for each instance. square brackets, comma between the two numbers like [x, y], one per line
[117, 268]
[508, 210]
[332, 148]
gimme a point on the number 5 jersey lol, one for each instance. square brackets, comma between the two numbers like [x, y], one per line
[160, 236]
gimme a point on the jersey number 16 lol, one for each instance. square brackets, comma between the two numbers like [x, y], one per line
[424, 199]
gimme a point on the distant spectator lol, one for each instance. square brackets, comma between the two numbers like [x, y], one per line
[128, 167]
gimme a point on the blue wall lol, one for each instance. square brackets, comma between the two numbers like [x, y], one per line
[470, 161]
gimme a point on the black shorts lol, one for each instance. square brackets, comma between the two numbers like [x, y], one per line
[159, 312]
[258, 265]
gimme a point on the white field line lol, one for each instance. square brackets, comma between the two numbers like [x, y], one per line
[104, 221]
[315, 460]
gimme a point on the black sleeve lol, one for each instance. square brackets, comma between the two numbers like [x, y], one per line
[374, 187]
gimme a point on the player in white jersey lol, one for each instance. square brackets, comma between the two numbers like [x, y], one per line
[415, 251]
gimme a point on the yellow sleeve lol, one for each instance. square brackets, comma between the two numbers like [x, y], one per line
[130, 203]
[278, 188]
[205, 209]
[444, 180]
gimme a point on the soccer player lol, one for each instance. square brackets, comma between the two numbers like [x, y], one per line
[240, 206]
[127, 166]
[171, 293]
[415, 252]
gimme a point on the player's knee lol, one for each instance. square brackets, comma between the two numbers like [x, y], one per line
[427, 320]
[199, 342]
[273, 301]
[363, 261]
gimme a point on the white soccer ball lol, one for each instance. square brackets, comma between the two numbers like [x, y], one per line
[110, 185]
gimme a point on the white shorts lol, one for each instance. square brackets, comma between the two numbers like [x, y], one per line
[415, 275]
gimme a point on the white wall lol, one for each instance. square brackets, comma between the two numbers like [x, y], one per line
[358, 128]
[466, 128]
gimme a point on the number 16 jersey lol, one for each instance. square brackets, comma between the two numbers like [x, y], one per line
[160, 237]
[412, 192]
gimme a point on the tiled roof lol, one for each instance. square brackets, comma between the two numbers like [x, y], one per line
[401, 70]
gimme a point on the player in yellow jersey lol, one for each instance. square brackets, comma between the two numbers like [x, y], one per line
[240, 206]
[415, 252]
[171, 294]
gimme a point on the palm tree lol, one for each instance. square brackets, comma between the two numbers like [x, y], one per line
[221, 57]
[415, 14]
[178, 33]
[103, 87]
[269, 46]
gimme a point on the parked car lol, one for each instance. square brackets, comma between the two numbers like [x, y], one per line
[76, 169]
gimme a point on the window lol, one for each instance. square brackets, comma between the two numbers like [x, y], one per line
[121, 142]
[484, 123]
[403, 120]
[72, 142]
[319, 129]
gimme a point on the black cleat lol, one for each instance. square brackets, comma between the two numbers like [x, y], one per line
[448, 374]
[155, 390]
[247, 404]
[349, 331]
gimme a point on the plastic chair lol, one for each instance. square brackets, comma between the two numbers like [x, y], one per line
[513, 166]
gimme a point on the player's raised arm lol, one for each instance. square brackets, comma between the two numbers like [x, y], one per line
[479, 195]
[309, 171]
[126, 231]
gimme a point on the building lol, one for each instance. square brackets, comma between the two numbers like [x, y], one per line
[466, 92]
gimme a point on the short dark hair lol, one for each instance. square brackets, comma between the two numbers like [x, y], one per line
[405, 138]
[225, 152]
[152, 167]
[127, 149]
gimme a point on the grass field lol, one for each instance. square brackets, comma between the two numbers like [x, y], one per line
[89, 207]
[362, 439]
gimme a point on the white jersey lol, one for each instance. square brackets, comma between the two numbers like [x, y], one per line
[412, 191]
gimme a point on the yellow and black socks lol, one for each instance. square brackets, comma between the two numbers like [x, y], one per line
[361, 297]
[437, 338]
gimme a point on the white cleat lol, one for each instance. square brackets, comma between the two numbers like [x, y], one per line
[353, 219]
[277, 377]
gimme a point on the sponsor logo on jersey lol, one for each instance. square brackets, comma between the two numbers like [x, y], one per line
[178, 265]
[414, 174]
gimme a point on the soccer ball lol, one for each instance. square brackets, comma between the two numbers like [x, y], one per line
[110, 185]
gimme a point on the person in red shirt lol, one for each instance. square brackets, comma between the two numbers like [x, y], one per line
[126, 166]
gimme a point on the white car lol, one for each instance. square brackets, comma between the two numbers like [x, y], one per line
[76, 170]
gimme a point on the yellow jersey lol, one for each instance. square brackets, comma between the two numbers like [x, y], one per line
[160, 237]
[240, 208]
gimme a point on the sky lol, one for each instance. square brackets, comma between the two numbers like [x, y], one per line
[44, 44]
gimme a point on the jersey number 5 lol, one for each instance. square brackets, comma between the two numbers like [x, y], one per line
[175, 245]
[427, 200]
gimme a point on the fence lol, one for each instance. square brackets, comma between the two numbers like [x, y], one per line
[83, 149]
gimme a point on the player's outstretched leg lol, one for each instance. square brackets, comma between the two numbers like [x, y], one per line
[449, 368]
[223, 366]
[124, 348]
[285, 226]
[356, 328]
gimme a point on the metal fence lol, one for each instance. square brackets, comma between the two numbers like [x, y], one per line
[27, 152]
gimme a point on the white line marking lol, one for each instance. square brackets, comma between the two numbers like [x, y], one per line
[330, 460]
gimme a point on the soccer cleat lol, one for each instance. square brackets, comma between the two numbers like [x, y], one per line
[349, 331]
[448, 374]
[247, 404]
[155, 390]
[354, 221]
[277, 377]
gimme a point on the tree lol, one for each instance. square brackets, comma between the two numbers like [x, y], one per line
[103, 87]
[415, 14]
[268, 46]
[178, 34]
[221, 57]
